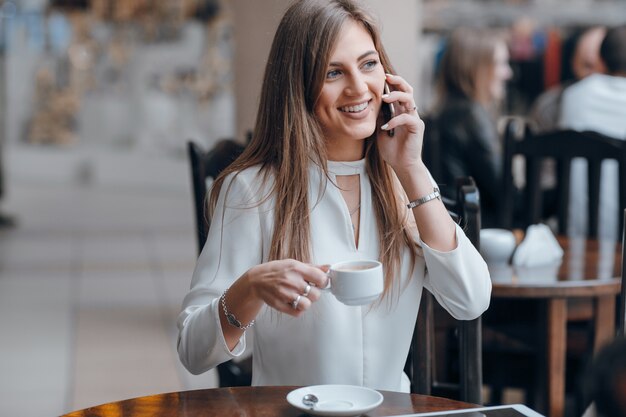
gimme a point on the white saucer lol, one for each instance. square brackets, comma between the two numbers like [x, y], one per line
[337, 400]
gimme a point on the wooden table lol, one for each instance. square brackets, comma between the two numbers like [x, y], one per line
[588, 271]
[250, 401]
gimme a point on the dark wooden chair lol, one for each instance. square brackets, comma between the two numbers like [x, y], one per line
[204, 165]
[465, 210]
[561, 146]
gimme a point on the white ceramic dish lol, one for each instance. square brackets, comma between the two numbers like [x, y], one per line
[337, 400]
[497, 245]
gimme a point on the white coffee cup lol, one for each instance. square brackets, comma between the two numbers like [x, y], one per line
[356, 283]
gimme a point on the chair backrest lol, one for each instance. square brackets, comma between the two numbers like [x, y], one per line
[204, 165]
[466, 211]
[561, 146]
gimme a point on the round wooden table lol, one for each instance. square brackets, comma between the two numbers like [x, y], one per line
[583, 286]
[589, 268]
[250, 401]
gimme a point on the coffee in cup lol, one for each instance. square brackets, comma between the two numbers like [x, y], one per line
[353, 267]
[356, 282]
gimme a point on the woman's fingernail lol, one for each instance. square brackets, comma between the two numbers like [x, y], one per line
[385, 95]
[385, 126]
[389, 75]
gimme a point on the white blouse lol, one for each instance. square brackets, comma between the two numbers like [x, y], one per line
[331, 343]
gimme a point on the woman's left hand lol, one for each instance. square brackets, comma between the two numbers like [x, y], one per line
[403, 151]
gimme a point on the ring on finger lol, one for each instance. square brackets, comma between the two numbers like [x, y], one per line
[295, 302]
[307, 290]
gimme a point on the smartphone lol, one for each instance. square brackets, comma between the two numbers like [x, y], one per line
[388, 111]
[511, 410]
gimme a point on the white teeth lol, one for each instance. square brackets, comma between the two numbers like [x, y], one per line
[354, 109]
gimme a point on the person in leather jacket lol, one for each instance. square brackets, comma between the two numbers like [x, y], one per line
[472, 81]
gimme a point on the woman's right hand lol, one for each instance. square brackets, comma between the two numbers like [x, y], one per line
[279, 283]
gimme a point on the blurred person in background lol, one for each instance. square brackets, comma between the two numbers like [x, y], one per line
[471, 84]
[581, 58]
[604, 382]
[581, 55]
[598, 103]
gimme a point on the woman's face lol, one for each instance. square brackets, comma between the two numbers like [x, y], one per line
[501, 72]
[348, 105]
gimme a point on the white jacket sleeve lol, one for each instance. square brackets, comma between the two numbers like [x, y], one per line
[459, 279]
[234, 245]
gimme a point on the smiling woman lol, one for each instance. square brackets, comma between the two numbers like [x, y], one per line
[322, 182]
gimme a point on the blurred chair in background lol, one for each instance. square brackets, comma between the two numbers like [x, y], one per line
[561, 146]
[422, 362]
[206, 165]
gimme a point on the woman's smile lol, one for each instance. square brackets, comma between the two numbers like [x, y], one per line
[357, 108]
[356, 111]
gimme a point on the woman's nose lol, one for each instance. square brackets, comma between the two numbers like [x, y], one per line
[357, 85]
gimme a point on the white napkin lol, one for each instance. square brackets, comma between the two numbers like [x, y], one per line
[538, 248]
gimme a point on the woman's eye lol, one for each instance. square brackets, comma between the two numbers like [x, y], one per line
[370, 64]
[333, 74]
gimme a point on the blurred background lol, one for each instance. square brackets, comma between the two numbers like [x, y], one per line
[97, 101]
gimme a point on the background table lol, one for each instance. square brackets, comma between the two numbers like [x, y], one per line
[583, 286]
[250, 401]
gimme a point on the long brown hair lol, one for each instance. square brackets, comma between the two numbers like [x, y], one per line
[287, 137]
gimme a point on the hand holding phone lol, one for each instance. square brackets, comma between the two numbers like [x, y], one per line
[388, 110]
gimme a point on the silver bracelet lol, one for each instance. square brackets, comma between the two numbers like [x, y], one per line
[230, 317]
[418, 202]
